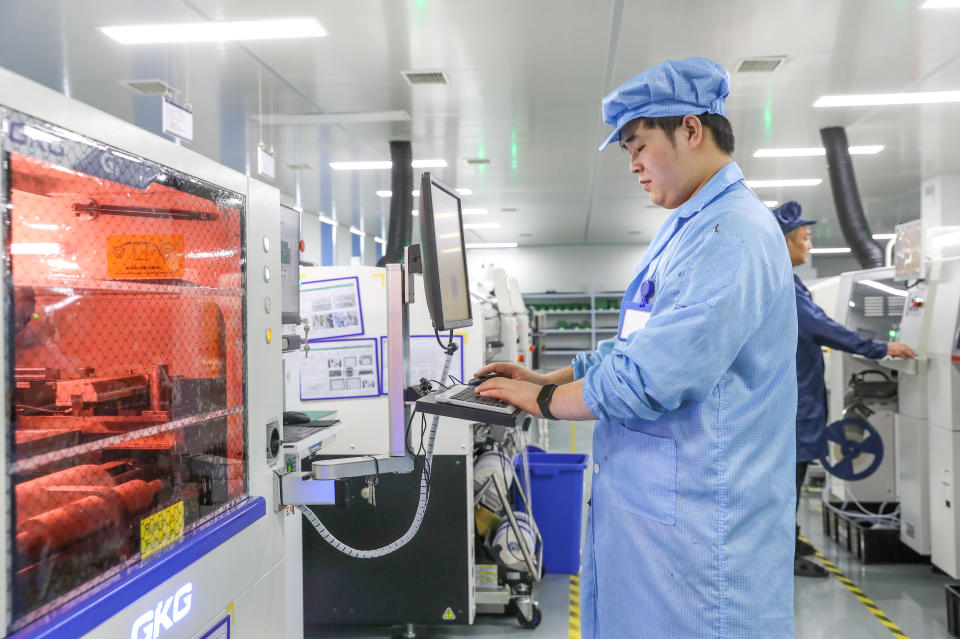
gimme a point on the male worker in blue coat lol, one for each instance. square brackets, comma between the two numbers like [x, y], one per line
[815, 329]
[690, 530]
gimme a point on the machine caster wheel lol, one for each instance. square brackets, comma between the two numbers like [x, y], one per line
[533, 621]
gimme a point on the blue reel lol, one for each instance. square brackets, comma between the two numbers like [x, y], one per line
[871, 444]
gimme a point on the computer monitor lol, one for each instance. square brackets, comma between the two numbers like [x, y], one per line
[444, 255]
[289, 265]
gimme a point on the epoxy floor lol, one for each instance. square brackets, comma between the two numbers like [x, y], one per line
[911, 596]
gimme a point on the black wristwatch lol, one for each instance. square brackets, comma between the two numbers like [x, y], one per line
[543, 400]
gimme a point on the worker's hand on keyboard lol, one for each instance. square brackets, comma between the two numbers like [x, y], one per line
[520, 393]
[512, 371]
[900, 350]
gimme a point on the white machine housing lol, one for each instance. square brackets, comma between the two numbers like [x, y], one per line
[247, 593]
[943, 414]
[856, 289]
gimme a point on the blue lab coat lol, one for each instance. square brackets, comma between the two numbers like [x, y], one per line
[690, 532]
[815, 329]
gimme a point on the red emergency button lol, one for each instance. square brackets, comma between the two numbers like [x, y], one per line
[521, 358]
[301, 246]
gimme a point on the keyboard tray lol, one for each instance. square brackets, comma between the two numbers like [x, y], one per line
[428, 404]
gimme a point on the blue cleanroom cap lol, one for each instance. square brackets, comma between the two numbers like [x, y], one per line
[788, 216]
[675, 87]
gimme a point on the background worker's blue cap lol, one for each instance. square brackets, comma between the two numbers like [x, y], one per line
[675, 87]
[788, 215]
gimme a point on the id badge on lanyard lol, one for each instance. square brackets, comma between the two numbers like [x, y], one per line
[636, 314]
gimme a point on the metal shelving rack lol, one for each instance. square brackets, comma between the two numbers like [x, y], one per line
[553, 345]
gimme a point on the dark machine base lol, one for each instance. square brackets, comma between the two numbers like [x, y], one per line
[417, 583]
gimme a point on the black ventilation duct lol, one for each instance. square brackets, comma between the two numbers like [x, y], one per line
[400, 231]
[846, 197]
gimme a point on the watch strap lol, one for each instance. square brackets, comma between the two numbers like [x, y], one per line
[543, 400]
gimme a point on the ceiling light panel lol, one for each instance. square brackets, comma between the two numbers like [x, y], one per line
[888, 99]
[814, 151]
[278, 29]
[768, 184]
[385, 164]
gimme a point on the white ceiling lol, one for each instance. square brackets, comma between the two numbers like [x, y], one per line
[526, 80]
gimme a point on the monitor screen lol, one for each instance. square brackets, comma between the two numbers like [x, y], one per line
[290, 265]
[444, 260]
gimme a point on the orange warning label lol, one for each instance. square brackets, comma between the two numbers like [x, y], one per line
[144, 256]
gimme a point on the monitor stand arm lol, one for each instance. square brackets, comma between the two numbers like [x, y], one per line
[400, 289]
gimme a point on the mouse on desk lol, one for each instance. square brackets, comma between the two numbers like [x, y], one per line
[476, 381]
[294, 417]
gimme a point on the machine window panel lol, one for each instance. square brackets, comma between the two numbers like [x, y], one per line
[127, 288]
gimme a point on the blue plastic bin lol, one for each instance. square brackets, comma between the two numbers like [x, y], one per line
[557, 490]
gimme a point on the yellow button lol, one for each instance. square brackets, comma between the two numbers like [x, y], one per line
[269, 335]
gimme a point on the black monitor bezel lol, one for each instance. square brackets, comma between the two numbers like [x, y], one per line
[286, 316]
[428, 250]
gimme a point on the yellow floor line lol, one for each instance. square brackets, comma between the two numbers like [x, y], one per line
[574, 607]
[859, 594]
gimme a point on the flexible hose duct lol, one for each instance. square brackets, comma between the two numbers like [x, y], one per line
[846, 197]
[401, 202]
[421, 504]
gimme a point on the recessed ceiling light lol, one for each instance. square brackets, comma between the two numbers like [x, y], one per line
[361, 166]
[384, 193]
[766, 184]
[813, 151]
[327, 220]
[357, 231]
[829, 251]
[277, 29]
[771, 203]
[888, 99]
[415, 212]
[384, 164]
[482, 225]
[379, 240]
[474, 211]
[492, 245]
[428, 164]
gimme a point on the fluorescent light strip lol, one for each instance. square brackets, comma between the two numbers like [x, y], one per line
[385, 164]
[482, 225]
[888, 99]
[765, 184]
[883, 287]
[814, 151]
[428, 164]
[379, 240]
[491, 245]
[474, 211]
[941, 4]
[829, 251]
[416, 193]
[278, 29]
[884, 236]
[327, 220]
[770, 203]
[357, 231]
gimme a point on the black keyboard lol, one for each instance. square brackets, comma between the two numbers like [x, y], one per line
[467, 396]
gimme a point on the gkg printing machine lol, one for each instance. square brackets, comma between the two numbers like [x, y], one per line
[151, 483]
[141, 382]
[507, 322]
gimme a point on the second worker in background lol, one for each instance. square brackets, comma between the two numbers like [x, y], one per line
[815, 329]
